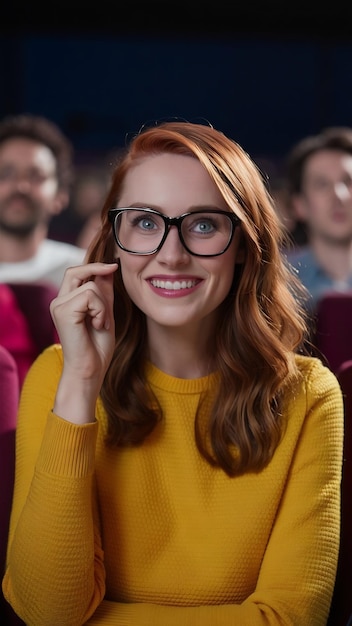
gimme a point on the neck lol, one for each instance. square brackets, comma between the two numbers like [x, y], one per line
[16, 249]
[180, 353]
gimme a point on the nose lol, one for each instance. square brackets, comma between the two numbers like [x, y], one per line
[21, 182]
[172, 251]
[23, 185]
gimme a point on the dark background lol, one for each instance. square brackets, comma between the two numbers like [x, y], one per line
[265, 73]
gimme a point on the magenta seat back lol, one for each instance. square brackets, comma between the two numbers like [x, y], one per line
[333, 335]
[9, 397]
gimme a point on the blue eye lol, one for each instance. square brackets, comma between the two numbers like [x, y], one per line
[204, 227]
[146, 223]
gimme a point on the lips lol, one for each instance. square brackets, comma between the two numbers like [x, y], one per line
[174, 285]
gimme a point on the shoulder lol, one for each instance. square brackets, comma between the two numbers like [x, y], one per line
[300, 256]
[8, 369]
[311, 368]
[52, 354]
[37, 396]
[61, 249]
[313, 409]
[316, 381]
[304, 265]
[46, 369]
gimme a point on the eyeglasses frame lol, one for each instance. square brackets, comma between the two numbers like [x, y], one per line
[171, 221]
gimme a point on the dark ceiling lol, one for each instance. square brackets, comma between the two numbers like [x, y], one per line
[267, 18]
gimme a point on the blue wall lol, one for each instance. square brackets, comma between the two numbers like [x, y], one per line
[264, 92]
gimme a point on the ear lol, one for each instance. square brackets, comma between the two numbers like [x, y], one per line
[61, 201]
[299, 207]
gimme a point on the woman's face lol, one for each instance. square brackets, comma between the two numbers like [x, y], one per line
[173, 287]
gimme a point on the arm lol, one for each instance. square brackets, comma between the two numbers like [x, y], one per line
[55, 569]
[55, 461]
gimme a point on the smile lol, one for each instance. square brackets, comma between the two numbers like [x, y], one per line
[174, 285]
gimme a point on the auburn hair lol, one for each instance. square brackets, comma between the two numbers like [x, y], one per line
[261, 323]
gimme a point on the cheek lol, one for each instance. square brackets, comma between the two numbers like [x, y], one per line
[131, 268]
[227, 266]
[221, 272]
[48, 189]
[226, 276]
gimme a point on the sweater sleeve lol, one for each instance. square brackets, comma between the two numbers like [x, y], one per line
[53, 514]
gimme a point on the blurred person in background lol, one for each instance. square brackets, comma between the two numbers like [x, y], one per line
[319, 184]
[271, 170]
[36, 174]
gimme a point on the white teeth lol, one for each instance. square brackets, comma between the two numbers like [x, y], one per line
[176, 285]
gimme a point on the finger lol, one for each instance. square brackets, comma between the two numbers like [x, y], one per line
[67, 302]
[96, 311]
[77, 275]
[105, 285]
[84, 305]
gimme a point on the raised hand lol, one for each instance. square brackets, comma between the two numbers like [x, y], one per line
[83, 316]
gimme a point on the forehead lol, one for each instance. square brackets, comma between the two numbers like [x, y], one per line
[329, 163]
[27, 153]
[170, 180]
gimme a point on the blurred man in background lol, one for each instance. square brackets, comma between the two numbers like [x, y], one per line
[36, 174]
[319, 181]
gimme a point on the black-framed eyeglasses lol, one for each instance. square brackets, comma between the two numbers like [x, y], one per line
[202, 233]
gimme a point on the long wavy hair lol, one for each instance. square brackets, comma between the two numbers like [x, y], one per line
[261, 324]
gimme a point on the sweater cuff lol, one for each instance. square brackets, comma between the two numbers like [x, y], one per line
[67, 449]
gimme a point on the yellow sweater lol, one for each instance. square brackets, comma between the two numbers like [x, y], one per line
[173, 541]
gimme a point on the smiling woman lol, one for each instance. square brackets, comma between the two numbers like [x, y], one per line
[178, 434]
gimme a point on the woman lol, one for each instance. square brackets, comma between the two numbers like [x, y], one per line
[178, 460]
